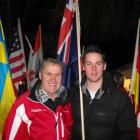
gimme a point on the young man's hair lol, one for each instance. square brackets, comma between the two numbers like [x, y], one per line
[53, 61]
[94, 49]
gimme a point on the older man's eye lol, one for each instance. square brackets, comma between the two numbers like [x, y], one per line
[48, 74]
[58, 75]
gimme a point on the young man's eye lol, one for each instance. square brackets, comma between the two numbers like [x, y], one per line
[88, 64]
[99, 63]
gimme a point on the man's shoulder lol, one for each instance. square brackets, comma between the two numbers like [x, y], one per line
[121, 95]
[120, 92]
[22, 98]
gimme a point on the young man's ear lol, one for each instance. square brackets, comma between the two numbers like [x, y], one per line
[105, 65]
[83, 67]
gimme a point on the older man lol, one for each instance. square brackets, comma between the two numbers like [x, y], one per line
[44, 113]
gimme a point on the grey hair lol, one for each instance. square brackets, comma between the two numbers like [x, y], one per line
[53, 61]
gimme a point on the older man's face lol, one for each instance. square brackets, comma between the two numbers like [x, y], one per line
[51, 76]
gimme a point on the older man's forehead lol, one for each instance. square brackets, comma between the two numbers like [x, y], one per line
[53, 67]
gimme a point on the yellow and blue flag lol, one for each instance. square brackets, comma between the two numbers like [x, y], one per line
[7, 96]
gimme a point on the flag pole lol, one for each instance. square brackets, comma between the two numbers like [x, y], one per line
[30, 46]
[35, 58]
[133, 81]
[22, 46]
[31, 49]
[79, 65]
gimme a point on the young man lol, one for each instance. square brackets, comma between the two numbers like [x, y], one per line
[43, 113]
[108, 112]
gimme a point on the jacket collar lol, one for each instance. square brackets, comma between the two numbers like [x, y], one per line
[98, 94]
[105, 88]
[38, 95]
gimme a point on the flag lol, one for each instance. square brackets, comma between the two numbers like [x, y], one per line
[17, 62]
[67, 45]
[35, 59]
[7, 96]
[135, 79]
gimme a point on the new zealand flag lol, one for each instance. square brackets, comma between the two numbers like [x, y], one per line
[67, 45]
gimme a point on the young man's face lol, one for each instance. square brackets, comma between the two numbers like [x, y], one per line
[94, 67]
[51, 76]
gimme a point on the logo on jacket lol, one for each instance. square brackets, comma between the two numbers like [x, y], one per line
[37, 110]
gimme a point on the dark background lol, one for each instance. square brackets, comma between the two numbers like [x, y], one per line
[110, 23]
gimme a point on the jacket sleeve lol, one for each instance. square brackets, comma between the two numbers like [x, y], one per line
[8, 124]
[14, 128]
[68, 120]
[126, 121]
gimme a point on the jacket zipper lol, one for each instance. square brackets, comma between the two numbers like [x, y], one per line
[56, 126]
[62, 125]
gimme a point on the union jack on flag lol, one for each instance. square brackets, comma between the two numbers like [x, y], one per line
[67, 45]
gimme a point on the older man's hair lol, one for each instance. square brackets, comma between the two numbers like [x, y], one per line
[52, 61]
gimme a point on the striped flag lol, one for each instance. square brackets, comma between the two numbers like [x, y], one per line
[17, 62]
[135, 79]
[7, 96]
[67, 45]
[35, 59]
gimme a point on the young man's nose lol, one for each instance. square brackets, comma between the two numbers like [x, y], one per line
[93, 66]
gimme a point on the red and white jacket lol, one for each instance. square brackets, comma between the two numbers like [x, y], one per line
[32, 120]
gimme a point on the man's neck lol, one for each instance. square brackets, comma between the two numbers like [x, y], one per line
[94, 86]
[52, 96]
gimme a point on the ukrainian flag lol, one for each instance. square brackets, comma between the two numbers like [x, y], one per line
[7, 96]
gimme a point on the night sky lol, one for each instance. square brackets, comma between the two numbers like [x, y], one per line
[111, 24]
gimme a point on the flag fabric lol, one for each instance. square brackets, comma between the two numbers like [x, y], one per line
[135, 79]
[17, 62]
[22, 46]
[35, 59]
[67, 45]
[7, 96]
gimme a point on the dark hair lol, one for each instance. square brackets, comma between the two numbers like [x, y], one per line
[94, 49]
[53, 61]
[117, 78]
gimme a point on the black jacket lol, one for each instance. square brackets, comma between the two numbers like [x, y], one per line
[109, 116]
